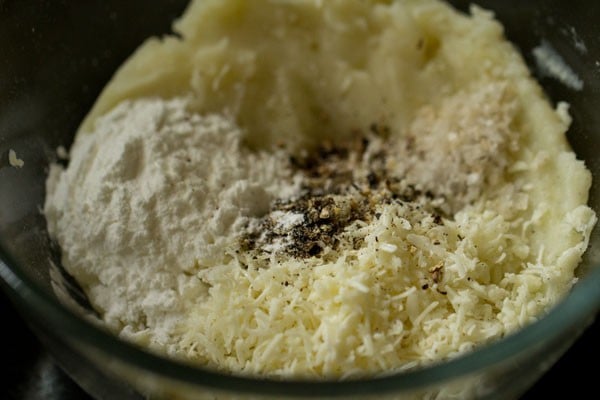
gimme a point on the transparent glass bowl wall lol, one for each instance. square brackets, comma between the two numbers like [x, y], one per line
[55, 59]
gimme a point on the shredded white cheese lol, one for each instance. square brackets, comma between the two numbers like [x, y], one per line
[550, 63]
[13, 160]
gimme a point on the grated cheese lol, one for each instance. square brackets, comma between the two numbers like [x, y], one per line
[13, 160]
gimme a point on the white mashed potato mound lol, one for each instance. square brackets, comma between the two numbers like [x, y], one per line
[316, 188]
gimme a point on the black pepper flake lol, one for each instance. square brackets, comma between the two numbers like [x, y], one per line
[364, 144]
[374, 128]
[373, 180]
[425, 286]
[378, 129]
[295, 162]
[314, 249]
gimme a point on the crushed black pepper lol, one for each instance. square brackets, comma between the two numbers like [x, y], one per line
[341, 183]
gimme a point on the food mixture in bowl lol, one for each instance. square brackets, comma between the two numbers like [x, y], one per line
[322, 189]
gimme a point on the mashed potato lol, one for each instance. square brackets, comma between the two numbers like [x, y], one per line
[322, 188]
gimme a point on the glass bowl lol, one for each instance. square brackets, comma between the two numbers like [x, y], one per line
[56, 57]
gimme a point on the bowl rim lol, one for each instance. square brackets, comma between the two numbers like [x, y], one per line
[576, 310]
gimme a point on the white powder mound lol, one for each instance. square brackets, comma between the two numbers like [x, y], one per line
[146, 199]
